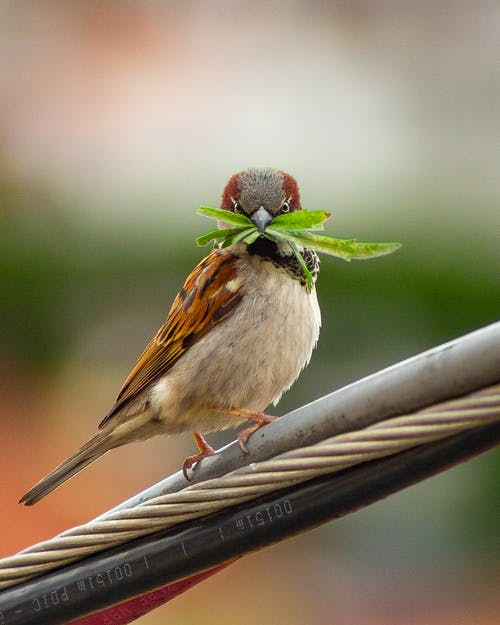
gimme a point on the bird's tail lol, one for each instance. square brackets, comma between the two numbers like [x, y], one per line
[90, 451]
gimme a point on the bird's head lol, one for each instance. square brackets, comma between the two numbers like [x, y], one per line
[261, 195]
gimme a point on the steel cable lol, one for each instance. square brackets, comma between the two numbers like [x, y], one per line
[384, 438]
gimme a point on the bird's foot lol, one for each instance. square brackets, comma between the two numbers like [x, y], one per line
[205, 450]
[259, 421]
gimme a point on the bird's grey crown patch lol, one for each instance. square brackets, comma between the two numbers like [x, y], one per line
[261, 187]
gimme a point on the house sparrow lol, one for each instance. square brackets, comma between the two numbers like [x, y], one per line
[238, 334]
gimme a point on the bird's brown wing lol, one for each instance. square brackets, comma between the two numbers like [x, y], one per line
[210, 293]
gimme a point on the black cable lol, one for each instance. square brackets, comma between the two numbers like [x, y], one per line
[132, 569]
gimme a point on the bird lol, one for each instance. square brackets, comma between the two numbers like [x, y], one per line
[238, 334]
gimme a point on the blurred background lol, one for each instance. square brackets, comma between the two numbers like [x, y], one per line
[117, 120]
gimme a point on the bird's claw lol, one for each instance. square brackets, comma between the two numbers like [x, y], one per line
[205, 451]
[259, 421]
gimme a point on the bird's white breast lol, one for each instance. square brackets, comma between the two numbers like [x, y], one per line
[249, 359]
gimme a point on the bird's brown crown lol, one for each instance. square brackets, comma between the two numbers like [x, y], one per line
[250, 189]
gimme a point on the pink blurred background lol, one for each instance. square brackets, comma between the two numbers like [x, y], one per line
[117, 120]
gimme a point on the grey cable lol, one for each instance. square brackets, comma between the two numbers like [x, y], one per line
[385, 438]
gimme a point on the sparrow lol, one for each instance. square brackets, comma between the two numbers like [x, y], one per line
[237, 336]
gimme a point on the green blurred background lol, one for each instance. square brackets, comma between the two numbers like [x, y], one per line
[117, 120]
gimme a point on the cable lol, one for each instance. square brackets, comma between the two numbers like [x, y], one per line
[107, 581]
[450, 370]
[345, 450]
[291, 459]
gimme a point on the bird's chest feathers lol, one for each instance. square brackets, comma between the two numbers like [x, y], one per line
[254, 355]
[275, 328]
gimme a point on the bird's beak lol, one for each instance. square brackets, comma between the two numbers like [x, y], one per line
[261, 219]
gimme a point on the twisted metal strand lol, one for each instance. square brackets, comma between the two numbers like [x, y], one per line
[345, 450]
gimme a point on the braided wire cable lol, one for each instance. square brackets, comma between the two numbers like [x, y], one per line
[384, 438]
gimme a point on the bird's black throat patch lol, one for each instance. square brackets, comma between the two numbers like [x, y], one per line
[268, 250]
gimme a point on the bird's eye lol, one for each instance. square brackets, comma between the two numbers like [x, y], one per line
[285, 207]
[236, 207]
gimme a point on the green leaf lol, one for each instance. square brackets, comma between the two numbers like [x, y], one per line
[300, 220]
[373, 250]
[342, 248]
[226, 216]
[253, 236]
[296, 230]
[279, 235]
[216, 235]
[283, 235]
[300, 258]
[239, 235]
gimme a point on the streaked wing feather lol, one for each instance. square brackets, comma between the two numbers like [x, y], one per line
[203, 302]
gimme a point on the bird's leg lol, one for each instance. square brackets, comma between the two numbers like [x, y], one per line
[205, 450]
[259, 421]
